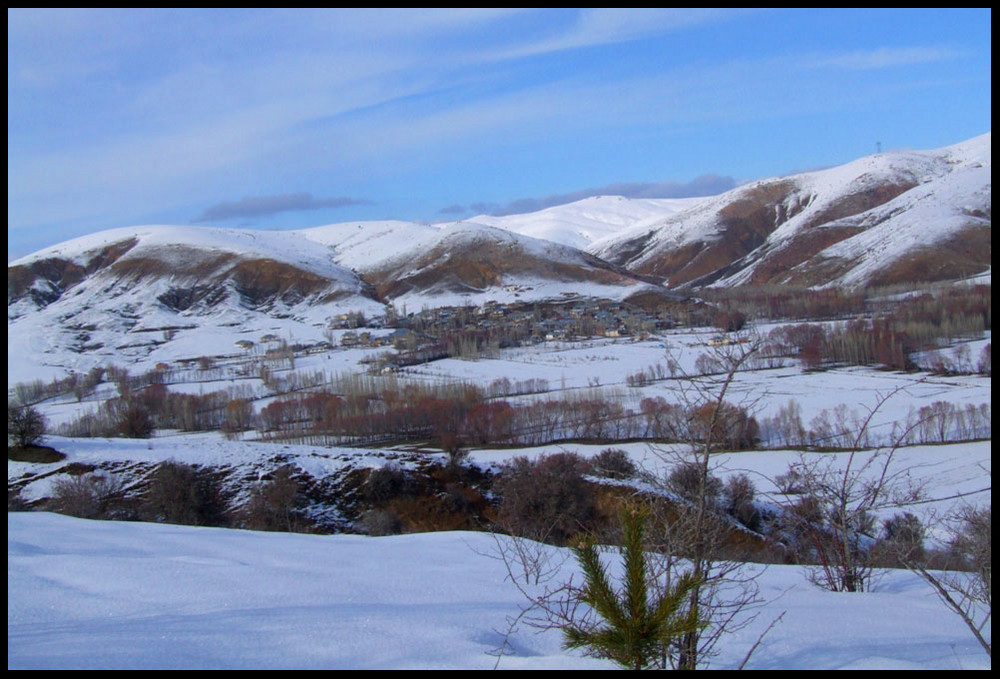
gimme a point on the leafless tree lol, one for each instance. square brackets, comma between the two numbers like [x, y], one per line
[831, 521]
[25, 425]
[273, 503]
[967, 588]
[694, 533]
[687, 536]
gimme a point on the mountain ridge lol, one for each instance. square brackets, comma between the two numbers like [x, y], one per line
[853, 224]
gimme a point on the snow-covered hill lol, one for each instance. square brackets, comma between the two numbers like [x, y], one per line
[471, 261]
[475, 262]
[202, 266]
[586, 221]
[891, 217]
[118, 295]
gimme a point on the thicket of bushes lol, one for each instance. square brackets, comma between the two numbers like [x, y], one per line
[937, 422]
[462, 414]
[449, 497]
[893, 336]
[787, 302]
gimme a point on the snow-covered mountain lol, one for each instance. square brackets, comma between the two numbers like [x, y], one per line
[891, 217]
[469, 261]
[125, 293]
[581, 223]
[122, 293]
[182, 269]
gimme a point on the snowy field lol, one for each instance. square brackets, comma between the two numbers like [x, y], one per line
[111, 595]
[129, 595]
[597, 367]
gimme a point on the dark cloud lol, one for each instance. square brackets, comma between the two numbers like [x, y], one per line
[705, 185]
[262, 206]
[453, 210]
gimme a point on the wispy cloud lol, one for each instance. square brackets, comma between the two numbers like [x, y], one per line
[263, 206]
[124, 117]
[604, 26]
[888, 57]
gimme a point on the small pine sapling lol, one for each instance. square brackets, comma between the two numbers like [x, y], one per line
[629, 626]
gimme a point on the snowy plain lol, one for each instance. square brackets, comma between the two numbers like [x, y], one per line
[112, 595]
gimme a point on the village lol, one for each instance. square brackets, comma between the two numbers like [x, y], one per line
[467, 331]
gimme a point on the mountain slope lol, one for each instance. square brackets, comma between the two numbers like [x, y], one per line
[474, 260]
[123, 293]
[889, 218]
[878, 219]
[583, 222]
[467, 262]
[200, 265]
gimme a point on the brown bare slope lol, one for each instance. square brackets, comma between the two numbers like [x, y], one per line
[743, 225]
[905, 216]
[196, 276]
[474, 259]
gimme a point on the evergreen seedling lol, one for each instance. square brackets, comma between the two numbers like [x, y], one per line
[632, 629]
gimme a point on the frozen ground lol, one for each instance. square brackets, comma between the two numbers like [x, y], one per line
[110, 595]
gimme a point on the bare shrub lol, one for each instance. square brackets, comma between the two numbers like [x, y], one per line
[380, 522]
[273, 503]
[87, 496]
[739, 495]
[16, 502]
[985, 364]
[786, 427]
[729, 320]
[135, 422]
[724, 426]
[185, 494]
[791, 482]
[614, 463]
[967, 588]
[689, 482]
[454, 445]
[691, 536]
[545, 499]
[903, 540]
[385, 483]
[834, 520]
[239, 416]
[708, 364]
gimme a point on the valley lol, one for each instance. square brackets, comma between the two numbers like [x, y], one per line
[377, 379]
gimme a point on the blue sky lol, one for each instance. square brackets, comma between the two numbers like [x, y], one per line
[282, 119]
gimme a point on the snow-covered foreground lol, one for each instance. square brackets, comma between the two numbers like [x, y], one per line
[84, 594]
